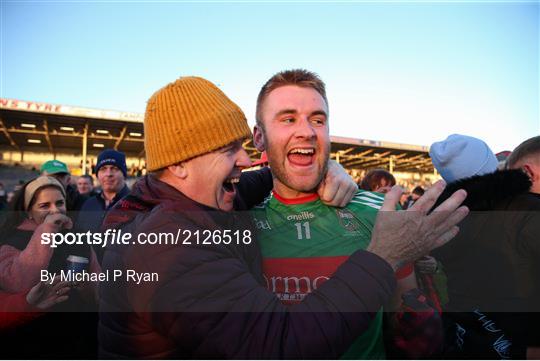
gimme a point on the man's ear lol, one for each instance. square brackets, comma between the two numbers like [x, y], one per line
[179, 170]
[258, 138]
[528, 170]
[532, 171]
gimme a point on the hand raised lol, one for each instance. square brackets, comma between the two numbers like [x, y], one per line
[45, 295]
[58, 221]
[405, 236]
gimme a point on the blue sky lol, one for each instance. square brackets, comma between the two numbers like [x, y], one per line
[407, 72]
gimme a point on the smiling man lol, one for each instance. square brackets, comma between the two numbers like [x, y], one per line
[304, 241]
[298, 161]
[219, 171]
[85, 185]
[111, 172]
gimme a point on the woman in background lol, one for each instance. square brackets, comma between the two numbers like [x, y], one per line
[40, 207]
[378, 180]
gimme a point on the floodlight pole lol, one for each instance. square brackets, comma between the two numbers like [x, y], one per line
[84, 148]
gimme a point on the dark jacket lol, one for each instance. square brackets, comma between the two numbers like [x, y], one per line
[92, 214]
[74, 200]
[493, 264]
[94, 209]
[211, 302]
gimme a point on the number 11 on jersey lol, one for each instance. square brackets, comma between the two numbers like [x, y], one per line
[307, 232]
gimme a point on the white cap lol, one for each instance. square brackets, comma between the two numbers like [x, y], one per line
[461, 156]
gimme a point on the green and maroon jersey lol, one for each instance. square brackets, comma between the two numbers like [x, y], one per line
[304, 241]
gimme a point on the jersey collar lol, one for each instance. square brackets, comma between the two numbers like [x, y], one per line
[300, 200]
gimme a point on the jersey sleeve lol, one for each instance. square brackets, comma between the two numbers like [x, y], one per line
[366, 199]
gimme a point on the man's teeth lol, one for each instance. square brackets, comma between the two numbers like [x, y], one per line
[302, 151]
[233, 180]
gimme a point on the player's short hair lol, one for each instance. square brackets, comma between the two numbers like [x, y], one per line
[299, 77]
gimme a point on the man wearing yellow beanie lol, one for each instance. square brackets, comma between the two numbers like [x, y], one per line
[209, 299]
[193, 140]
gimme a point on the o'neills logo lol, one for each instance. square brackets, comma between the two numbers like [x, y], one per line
[293, 288]
[301, 216]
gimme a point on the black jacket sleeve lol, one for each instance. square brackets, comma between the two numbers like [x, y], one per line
[253, 188]
[209, 302]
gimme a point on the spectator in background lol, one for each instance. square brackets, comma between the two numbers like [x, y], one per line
[38, 208]
[493, 264]
[85, 185]
[133, 170]
[404, 199]
[59, 170]
[378, 180]
[526, 156]
[111, 172]
[416, 193]
[19, 185]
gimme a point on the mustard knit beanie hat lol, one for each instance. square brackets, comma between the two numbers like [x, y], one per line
[188, 118]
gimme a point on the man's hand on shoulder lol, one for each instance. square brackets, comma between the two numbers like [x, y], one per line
[337, 188]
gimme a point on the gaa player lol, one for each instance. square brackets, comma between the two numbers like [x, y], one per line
[304, 241]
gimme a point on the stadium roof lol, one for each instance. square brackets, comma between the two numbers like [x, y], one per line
[355, 153]
[42, 127]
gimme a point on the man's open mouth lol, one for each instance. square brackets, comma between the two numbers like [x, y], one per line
[301, 156]
[229, 183]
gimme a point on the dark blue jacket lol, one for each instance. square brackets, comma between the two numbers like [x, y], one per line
[94, 209]
[93, 212]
